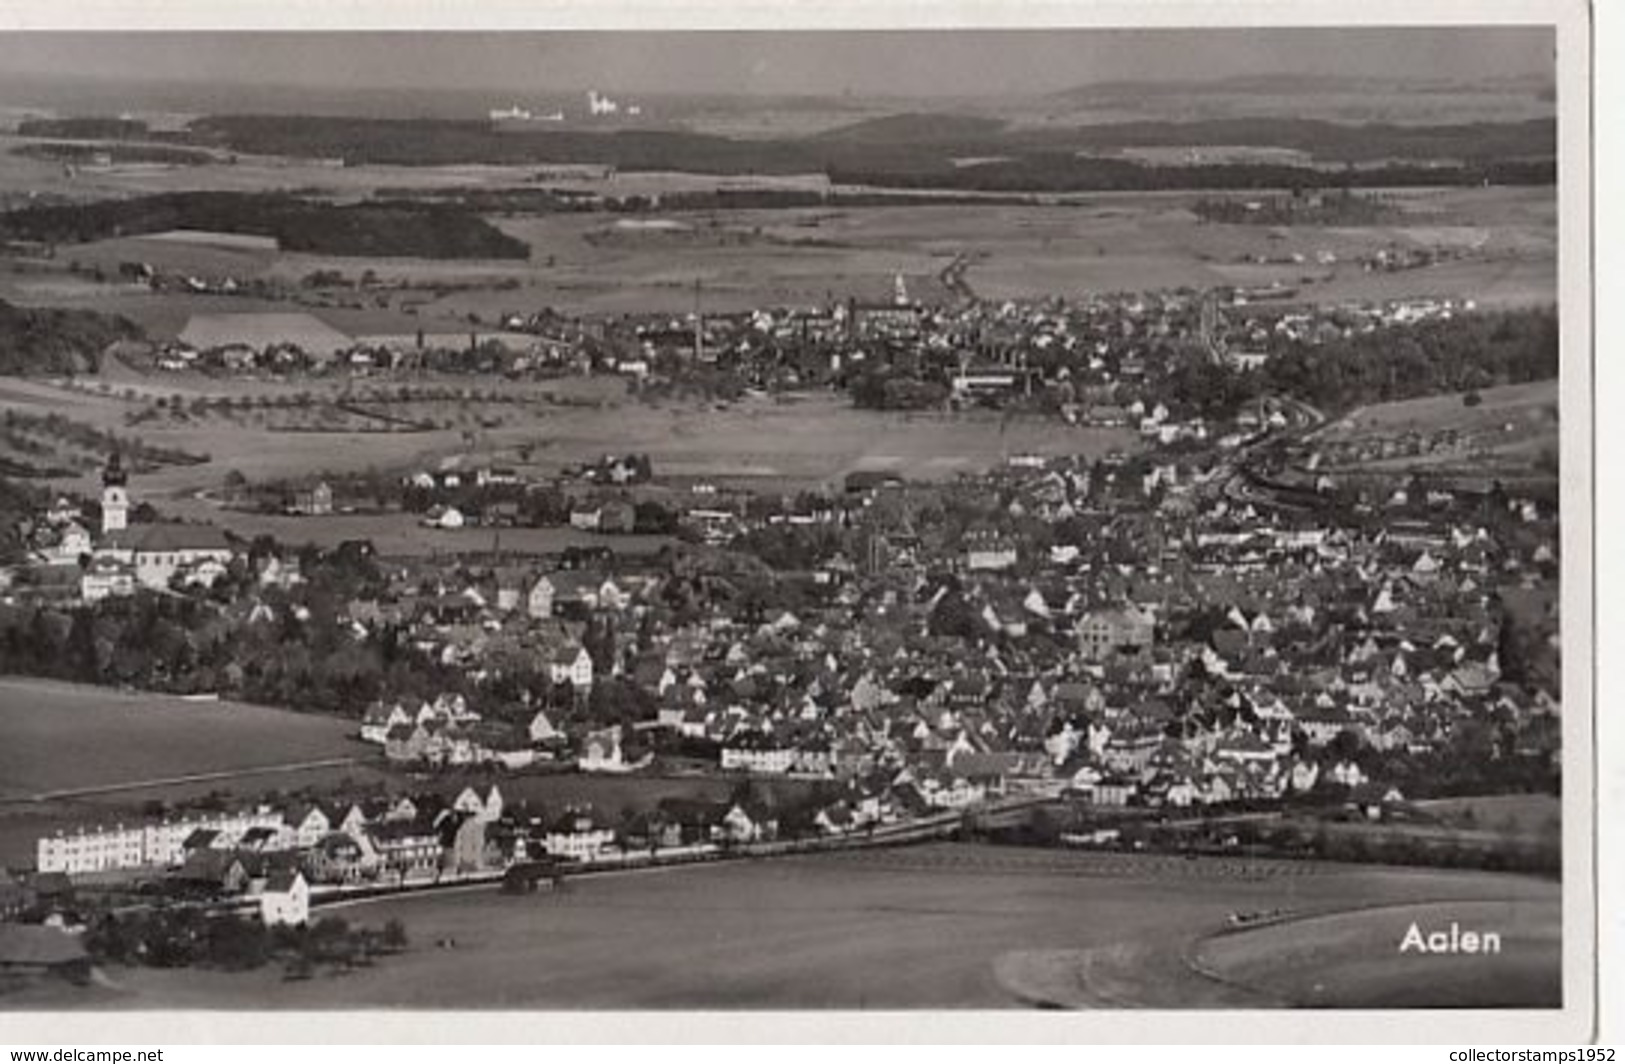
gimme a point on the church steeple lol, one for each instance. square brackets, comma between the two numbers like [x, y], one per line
[115, 499]
[113, 475]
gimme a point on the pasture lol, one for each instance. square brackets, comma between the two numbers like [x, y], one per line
[921, 927]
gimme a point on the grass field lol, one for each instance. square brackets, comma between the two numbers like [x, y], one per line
[1352, 960]
[1535, 403]
[64, 736]
[1513, 429]
[914, 928]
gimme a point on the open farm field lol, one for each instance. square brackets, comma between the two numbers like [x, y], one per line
[876, 929]
[163, 315]
[1512, 431]
[821, 437]
[1352, 960]
[1528, 280]
[1104, 243]
[124, 738]
[809, 440]
[227, 257]
[250, 173]
[598, 263]
[1535, 402]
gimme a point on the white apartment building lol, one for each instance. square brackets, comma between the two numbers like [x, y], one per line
[103, 849]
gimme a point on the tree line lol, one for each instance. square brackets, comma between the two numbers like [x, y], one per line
[1440, 356]
[372, 228]
[47, 340]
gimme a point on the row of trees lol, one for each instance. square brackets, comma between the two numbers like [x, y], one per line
[371, 228]
[193, 937]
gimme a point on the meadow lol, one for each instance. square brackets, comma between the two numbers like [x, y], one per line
[879, 929]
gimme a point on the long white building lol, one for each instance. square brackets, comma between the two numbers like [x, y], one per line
[161, 845]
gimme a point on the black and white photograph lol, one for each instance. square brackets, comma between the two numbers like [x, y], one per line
[918, 518]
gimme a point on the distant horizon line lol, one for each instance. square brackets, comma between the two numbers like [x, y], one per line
[505, 91]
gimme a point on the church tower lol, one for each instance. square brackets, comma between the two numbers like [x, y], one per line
[115, 499]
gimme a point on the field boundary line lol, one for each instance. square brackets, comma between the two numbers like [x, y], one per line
[171, 781]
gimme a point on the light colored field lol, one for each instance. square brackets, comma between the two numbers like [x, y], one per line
[164, 315]
[744, 259]
[261, 330]
[248, 174]
[1352, 960]
[242, 258]
[64, 736]
[208, 238]
[1530, 280]
[1535, 403]
[1513, 432]
[921, 927]
[1099, 243]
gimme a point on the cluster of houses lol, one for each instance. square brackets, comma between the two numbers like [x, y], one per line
[124, 557]
[1095, 356]
[275, 857]
[1311, 643]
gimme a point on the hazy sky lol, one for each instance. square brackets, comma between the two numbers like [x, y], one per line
[924, 63]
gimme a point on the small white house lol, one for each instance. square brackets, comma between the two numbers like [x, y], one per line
[286, 900]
